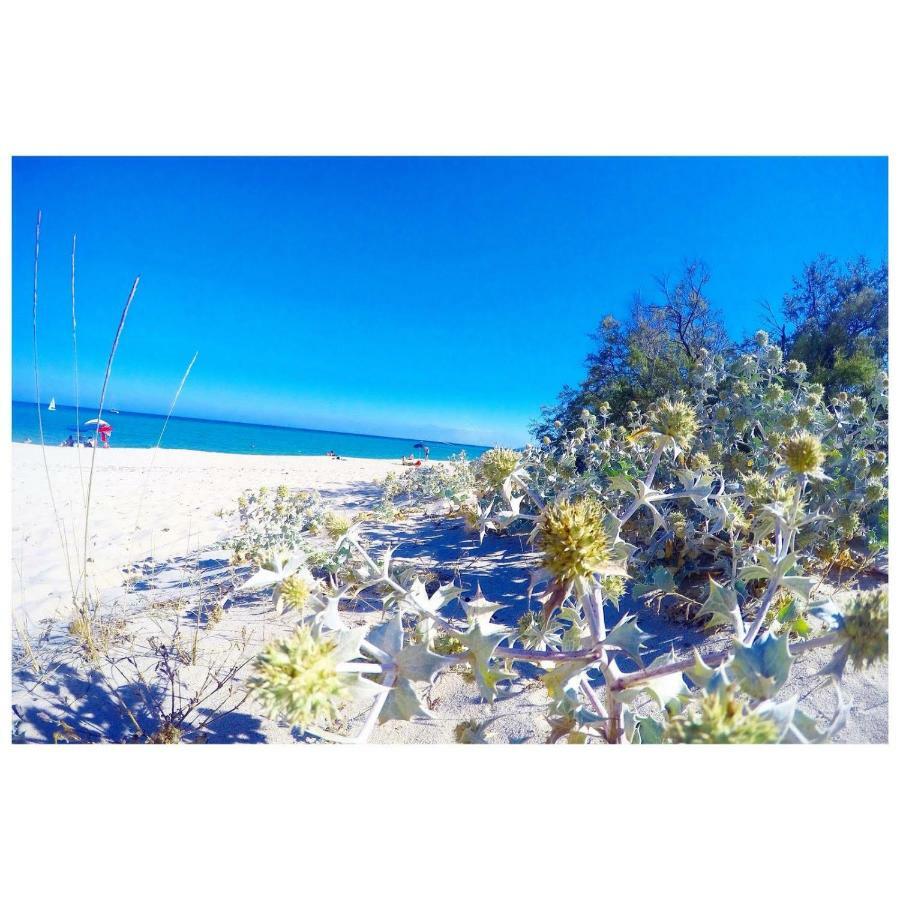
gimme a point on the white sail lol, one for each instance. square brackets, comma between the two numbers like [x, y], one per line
[52, 406]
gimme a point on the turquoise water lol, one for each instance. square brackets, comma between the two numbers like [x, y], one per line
[142, 430]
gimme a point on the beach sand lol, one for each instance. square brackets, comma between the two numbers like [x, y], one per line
[139, 513]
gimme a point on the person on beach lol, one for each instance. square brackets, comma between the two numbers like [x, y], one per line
[427, 450]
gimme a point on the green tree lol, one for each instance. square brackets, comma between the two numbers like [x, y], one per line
[836, 321]
[653, 351]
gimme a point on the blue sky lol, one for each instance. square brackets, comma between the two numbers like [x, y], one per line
[403, 296]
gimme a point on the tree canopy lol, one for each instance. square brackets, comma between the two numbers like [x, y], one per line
[833, 319]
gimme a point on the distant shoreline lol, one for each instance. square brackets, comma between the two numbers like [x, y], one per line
[143, 430]
[88, 409]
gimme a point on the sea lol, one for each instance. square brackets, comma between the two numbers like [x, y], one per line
[131, 429]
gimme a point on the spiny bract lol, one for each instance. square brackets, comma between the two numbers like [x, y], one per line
[866, 627]
[572, 538]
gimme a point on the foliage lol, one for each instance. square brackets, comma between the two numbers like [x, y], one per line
[647, 355]
[274, 521]
[725, 495]
[444, 487]
[836, 322]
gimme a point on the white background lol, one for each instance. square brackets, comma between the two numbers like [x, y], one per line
[444, 78]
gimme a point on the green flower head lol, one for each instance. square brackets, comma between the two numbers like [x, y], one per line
[802, 453]
[761, 337]
[866, 627]
[297, 677]
[699, 462]
[858, 407]
[497, 465]
[720, 718]
[757, 487]
[572, 538]
[294, 592]
[774, 355]
[676, 420]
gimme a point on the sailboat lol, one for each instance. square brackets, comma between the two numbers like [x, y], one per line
[52, 406]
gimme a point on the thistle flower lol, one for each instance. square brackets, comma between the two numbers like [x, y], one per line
[699, 462]
[720, 718]
[675, 420]
[335, 524]
[677, 524]
[281, 492]
[774, 355]
[573, 540]
[721, 413]
[297, 677]
[865, 626]
[497, 465]
[294, 592]
[787, 421]
[761, 337]
[580, 434]
[605, 433]
[815, 390]
[545, 441]
[756, 487]
[804, 417]
[858, 407]
[613, 587]
[557, 424]
[874, 491]
[774, 393]
[795, 367]
[740, 388]
[802, 453]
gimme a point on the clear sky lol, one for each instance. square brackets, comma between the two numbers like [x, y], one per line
[441, 297]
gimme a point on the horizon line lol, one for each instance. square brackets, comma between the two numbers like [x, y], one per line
[133, 412]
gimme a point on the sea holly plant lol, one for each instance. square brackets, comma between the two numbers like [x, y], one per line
[729, 515]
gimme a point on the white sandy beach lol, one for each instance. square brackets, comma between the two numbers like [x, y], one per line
[138, 512]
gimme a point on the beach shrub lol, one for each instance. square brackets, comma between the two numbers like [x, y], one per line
[724, 496]
[450, 483]
[273, 522]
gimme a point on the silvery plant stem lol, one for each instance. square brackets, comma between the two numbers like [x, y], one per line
[632, 678]
[648, 483]
[786, 547]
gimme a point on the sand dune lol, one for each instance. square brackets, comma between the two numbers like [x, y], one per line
[136, 512]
